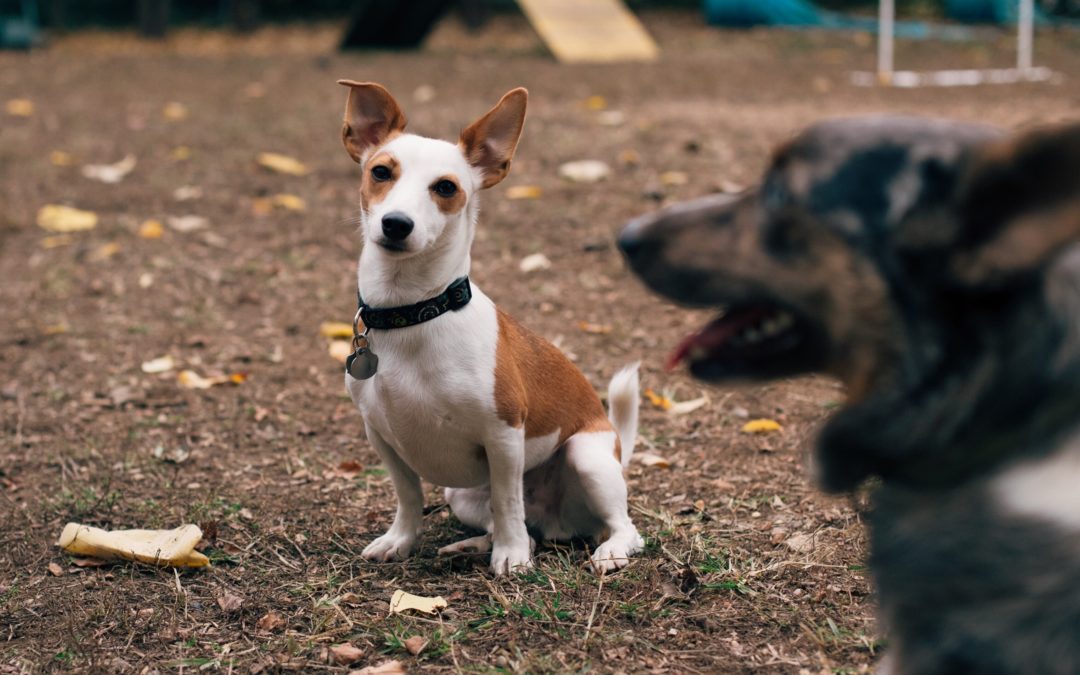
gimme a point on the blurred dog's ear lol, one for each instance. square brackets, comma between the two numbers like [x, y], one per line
[1019, 203]
[490, 141]
[371, 116]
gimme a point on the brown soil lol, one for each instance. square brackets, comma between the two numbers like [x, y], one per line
[85, 435]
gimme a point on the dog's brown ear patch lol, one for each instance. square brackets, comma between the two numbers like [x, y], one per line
[489, 142]
[1020, 206]
[372, 116]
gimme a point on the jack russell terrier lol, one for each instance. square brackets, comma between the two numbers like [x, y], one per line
[453, 390]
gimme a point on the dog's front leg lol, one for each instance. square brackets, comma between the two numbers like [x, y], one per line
[398, 541]
[506, 462]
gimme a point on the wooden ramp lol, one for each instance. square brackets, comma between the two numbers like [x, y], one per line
[590, 31]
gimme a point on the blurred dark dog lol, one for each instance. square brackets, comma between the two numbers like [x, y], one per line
[933, 267]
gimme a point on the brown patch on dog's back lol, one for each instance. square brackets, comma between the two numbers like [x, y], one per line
[452, 204]
[537, 387]
[372, 191]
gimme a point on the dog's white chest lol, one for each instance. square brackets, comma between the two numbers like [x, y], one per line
[434, 393]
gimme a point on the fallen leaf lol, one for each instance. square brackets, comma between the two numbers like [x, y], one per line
[151, 229]
[630, 157]
[657, 400]
[89, 562]
[415, 644]
[56, 570]
[350, 468]
[110, 173]
[61, 158]
[55, 329]
[800, 543]
[761, 426]
[595, 103]
[282, 164]
[171, 456]
[346, 654]
[105, 251]
[19, 107]
[180, 153]
[730, 187]
[684, 407]
[146, 280]
[270, 622]
[56, 240]
[652, 461]
[534, 262]
[189, 379]
[162, 364]
[174, 111]
[402, 601]
[289, 202]
[190, 223]
[585, 171]
[186, 193]
[384, 668]
[230, 603]
[516, 192]
[425, 93]
[594, 328]
[671, 178]
[340, 350]
[56, 218]
[337, 330]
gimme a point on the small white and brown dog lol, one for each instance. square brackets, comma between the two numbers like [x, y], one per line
[460, 394]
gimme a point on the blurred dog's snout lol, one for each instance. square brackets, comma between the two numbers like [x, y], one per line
[396, 225]
[632, 237]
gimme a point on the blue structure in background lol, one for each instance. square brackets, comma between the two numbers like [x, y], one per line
[20, 32]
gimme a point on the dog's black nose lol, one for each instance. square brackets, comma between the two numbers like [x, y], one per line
[631, 239]
[396, 225]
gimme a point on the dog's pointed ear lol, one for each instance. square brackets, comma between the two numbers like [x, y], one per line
[1019, 203]
[371, 116]
[490, 141]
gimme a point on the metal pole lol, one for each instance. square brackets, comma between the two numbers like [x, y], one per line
[886, 20]
[1025, 30]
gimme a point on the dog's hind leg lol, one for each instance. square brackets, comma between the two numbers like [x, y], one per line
[591, 463]
[472, 506]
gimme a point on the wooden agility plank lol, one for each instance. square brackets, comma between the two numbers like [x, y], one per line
[590, 31]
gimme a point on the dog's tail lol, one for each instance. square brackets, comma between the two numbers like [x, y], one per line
[623, 408]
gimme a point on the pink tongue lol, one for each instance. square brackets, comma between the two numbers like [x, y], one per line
[713, 336]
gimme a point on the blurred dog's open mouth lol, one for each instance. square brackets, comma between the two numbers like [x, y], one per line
[751, 340]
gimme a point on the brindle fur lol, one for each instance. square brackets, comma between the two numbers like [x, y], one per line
[938, 269]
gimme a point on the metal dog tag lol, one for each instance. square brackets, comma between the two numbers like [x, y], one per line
[362, 364]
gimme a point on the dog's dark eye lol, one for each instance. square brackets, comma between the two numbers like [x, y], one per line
[381, 173]
[445, 188]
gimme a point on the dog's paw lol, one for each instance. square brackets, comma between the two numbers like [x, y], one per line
[506, 559]
[614, 554]
[390, 546]
[481, 544]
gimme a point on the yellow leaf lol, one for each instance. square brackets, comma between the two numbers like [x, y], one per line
[630, 157]
[55, 329]
[523, 192]
[180, 153]
[238, 378]
[652, 461]
[61, 158]
[595, 103]
[151, 229]
[189, 379]
[340, 350]
[174, 111]
[56, 218]
[402, 601]
[289, 202]
[657, 400]
[106, 251]
[594, 328]
[761, 426]
[671, 178]
[335, 330]
[57, 240]
[282, 164]
[19, 107]
[159, 365]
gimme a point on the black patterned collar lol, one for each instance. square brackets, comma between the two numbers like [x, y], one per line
[456, 296]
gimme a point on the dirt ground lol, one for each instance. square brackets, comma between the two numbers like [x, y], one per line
[747, 567]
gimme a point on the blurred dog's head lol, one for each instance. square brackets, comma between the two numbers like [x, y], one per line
[921, 262]
[417, 193]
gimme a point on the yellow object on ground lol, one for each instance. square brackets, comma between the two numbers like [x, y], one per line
[590, 31]
[164, 548]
